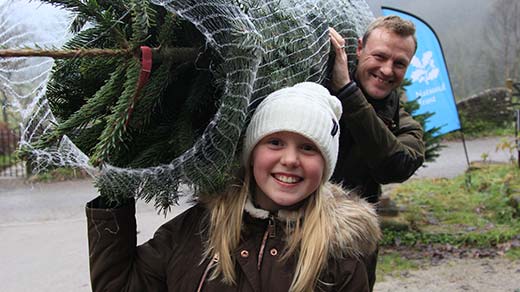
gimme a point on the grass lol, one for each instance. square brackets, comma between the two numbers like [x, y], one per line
[393, 264]
[58, 174]
[471, 211]
[7, 160]
[475, 132]
[513, 254]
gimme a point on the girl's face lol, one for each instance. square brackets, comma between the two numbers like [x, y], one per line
[287, 168]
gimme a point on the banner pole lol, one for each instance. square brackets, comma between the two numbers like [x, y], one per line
[467, 174]
[514, 103]
[517, 139]
[465, 148]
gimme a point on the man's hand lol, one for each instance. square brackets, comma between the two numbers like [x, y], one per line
[340, 76]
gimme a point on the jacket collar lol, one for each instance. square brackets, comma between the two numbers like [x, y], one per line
[282, 215]
[354, 223]
[387, 108]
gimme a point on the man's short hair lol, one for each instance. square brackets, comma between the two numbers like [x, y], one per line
[394, 24]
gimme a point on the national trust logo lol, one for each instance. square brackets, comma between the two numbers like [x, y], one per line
[424, 70]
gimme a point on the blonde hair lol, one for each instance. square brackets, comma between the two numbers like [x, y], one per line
[308, 238]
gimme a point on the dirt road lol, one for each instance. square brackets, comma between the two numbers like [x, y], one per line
[475, 275]
[44, 243]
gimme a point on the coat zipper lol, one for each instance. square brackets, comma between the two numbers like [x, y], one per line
[270, 232]
[213, 261]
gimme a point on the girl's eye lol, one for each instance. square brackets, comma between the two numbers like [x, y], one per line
[274, 142]
[309, 148]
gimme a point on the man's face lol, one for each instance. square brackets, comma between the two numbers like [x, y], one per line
[383, 61]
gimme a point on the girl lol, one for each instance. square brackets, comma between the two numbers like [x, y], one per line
[280, 227]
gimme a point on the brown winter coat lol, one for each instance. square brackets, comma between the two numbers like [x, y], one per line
[172, 259]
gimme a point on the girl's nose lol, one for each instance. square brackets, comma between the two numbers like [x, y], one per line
[290, 157]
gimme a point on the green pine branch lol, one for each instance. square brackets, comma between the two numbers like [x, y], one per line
[91, 11]
[92, 110]
[93, 37]
[143, 16]
[86, 138]
[114, 136]
[432, 140]
[151, 96]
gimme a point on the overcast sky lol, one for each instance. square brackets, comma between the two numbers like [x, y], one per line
[45, 18]
[458, 23]
[449, 18]
[457, 18]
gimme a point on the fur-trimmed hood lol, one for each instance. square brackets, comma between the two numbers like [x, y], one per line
[354, 223]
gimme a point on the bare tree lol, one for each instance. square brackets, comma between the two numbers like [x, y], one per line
[16, 74]
[503, 36]
[13, 34]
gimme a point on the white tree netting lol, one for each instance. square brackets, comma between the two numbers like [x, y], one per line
[23, 80]
[262, 46]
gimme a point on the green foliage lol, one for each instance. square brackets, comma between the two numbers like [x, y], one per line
[392, 264]
[7, 160]
[474, 127]
[58, 174]
[513, 254]
[488, 132]
[431, 138]
[97, 100]
[114, 135]
[447, 211]
[115, 119]
[107, 16]
[143, 16]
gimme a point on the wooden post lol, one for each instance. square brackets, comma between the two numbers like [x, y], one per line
[509, 85]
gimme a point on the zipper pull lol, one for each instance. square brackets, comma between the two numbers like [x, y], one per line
[271, 228]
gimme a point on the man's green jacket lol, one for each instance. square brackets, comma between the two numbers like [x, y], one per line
[380, 143]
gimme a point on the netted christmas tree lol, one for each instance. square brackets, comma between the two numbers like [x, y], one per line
[157, 94]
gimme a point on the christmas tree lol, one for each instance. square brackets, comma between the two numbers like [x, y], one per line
[431, 137]
[157, 93]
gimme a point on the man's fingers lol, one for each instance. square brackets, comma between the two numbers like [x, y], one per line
[336, 39]
[340, 74]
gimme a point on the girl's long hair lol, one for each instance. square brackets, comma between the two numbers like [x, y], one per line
[307, 238]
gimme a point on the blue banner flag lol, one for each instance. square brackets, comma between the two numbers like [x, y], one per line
[430, 79]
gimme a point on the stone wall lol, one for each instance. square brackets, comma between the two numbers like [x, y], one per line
[492, 105]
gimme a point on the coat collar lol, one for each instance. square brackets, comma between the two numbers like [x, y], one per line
[281, 215]
[354, 223]
[387, 108]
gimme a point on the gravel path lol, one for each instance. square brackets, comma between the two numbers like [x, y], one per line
[476, 275]
[452, 159]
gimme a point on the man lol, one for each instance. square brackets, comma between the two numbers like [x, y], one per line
[379, 142]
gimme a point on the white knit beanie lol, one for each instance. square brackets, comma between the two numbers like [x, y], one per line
[307, 109]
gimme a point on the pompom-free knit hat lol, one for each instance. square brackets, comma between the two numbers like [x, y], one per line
[307, 109]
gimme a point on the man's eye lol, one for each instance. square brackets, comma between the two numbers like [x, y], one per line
[400, 65]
